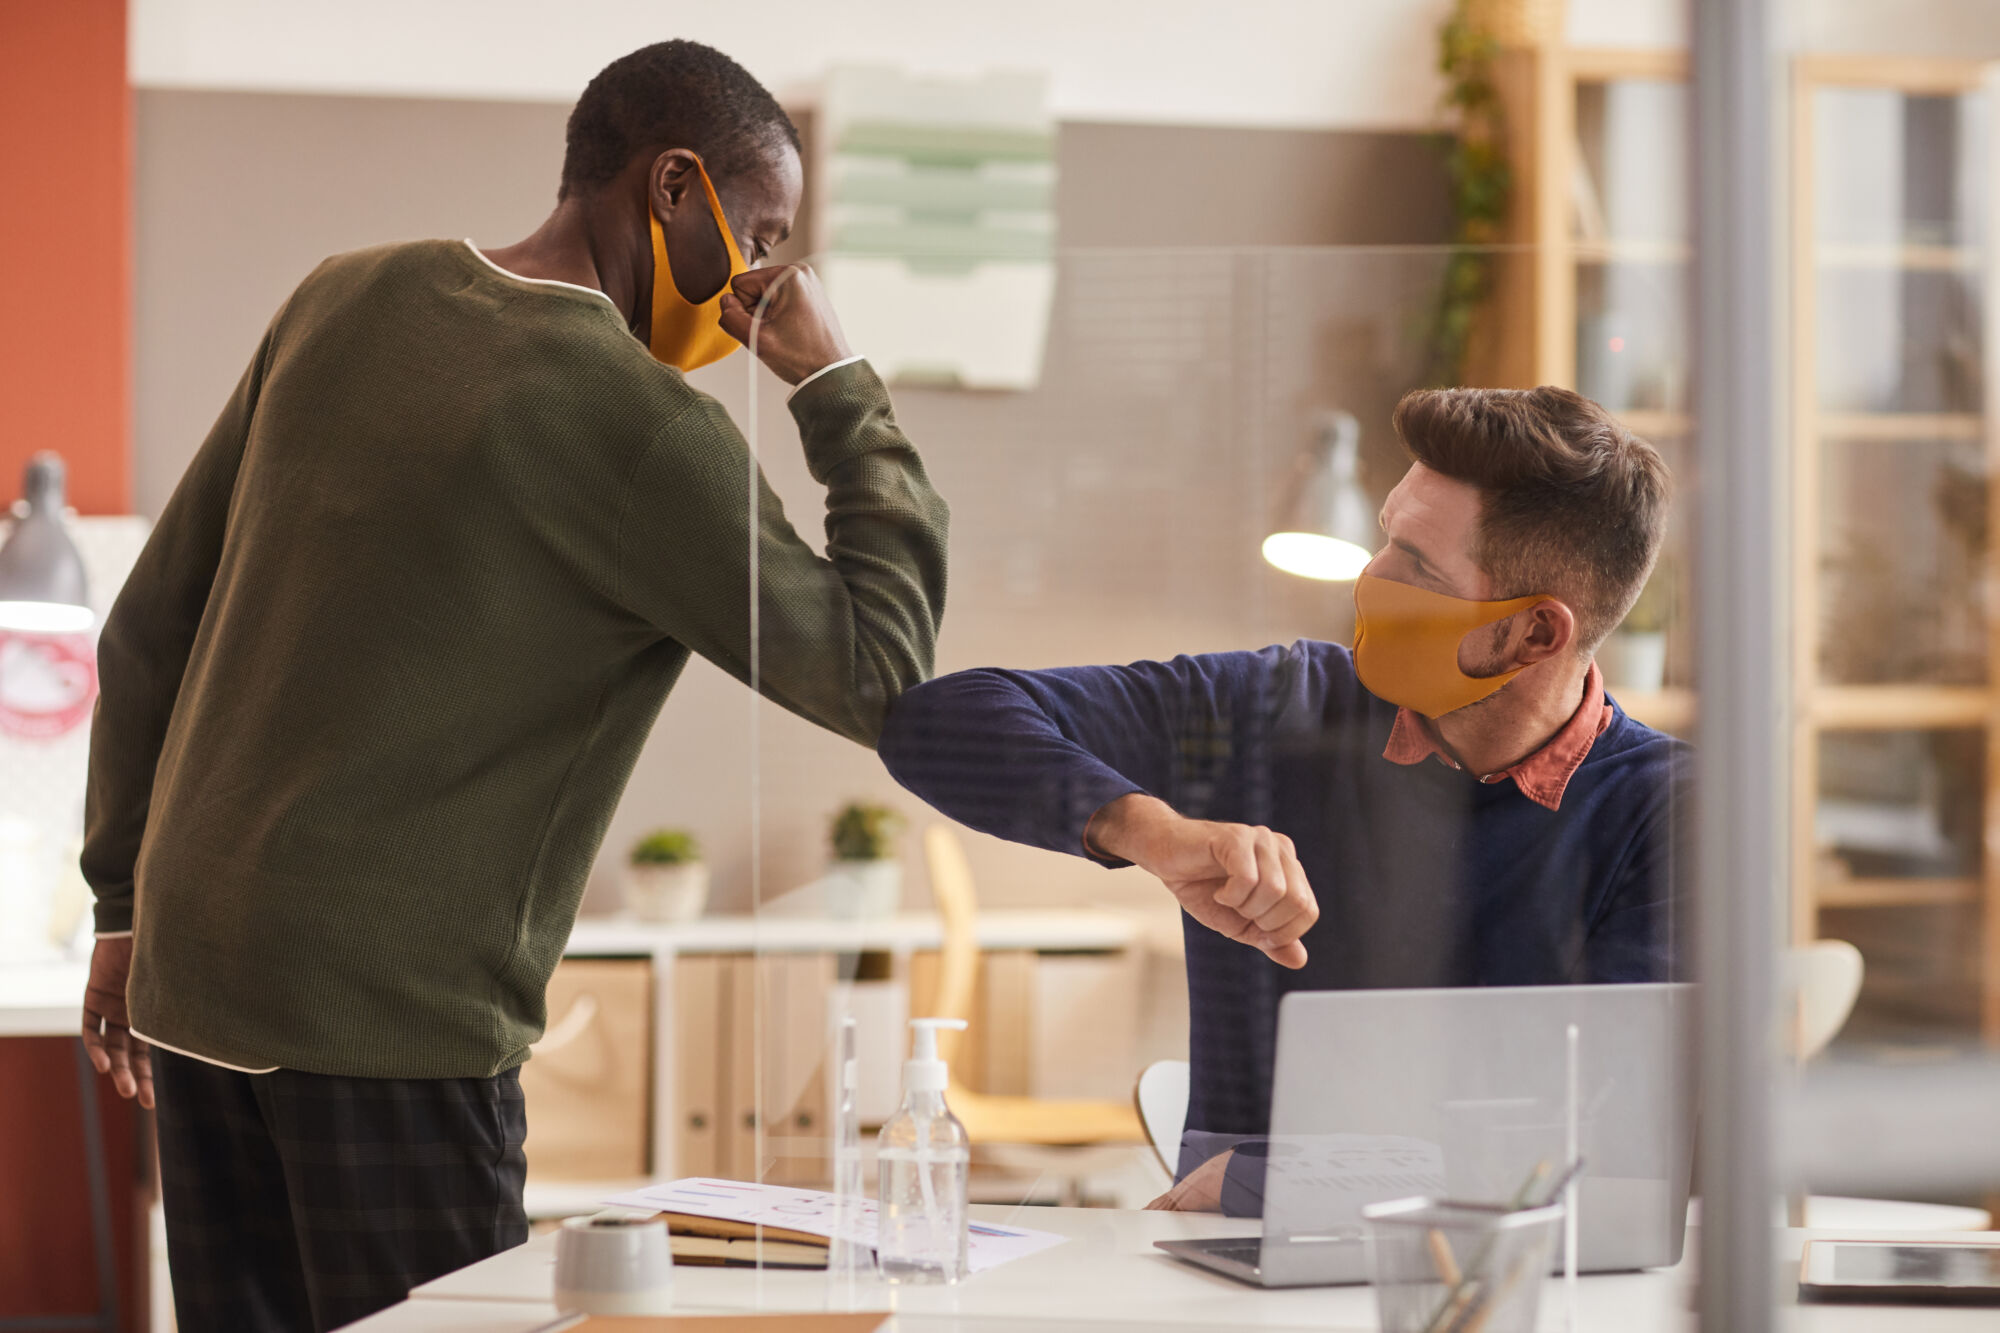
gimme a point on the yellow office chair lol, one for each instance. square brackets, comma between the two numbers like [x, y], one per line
[987, 1118]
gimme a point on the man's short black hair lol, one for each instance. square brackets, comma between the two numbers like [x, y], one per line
[674, 94]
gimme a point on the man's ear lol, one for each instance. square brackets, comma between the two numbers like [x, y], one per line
[670, 180]
[1545, 630]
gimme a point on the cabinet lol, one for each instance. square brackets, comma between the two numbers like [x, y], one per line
[1896, 708]
[589, 1082]
[683, 1052]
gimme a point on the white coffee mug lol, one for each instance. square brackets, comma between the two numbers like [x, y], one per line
[613, 1264]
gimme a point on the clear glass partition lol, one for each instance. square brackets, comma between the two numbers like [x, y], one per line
[1116, 508]
[1187, 407]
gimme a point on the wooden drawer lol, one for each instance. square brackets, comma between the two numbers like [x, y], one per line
[701, 1031]
[589, 1081]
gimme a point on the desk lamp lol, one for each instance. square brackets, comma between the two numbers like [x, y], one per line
[42, 587]
[1326, 530]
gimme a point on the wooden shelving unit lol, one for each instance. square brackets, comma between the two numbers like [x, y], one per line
[1918, 214]
[1597, 136]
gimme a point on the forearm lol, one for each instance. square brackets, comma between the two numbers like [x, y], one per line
[835, 638]
[887, 528]
[980, 747]
[143, 651]
[1128, 828]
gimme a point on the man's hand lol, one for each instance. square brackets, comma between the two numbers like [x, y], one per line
[107, 1029]
[1241, 881]
[1199, 1191]
[797, 333]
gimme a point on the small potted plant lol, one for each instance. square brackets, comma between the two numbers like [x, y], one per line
[665, 878]
[865, 879]
[1634, 658]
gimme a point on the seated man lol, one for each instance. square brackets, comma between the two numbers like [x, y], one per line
[1455, 802]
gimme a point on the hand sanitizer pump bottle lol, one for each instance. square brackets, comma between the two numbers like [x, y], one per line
[922, 1162]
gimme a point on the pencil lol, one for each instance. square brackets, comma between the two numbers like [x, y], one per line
[1441, 1256]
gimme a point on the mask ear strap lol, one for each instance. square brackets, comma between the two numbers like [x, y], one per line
[1512, 607]
[736, 261]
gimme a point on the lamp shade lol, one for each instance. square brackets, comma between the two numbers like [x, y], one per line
[42, 586]
[1326, 529]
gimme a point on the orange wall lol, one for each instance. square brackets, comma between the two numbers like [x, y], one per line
[65, 247]
[48, 1264]
[65, 384]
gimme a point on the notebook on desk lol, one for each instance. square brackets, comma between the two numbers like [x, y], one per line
[1386, 1094]
[722, 1242]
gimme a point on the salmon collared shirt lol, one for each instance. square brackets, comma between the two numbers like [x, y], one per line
[1543, 776]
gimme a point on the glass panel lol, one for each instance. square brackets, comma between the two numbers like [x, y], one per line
[1896, 339]
[1113, 610]
[1903, 542]
[1893, 169]
[1632, 334]
[1900, 819]
[1899, 805]
[1896, 451]
[1920, 993]
[1631, 183]
[1899, 219]
[1629, 222]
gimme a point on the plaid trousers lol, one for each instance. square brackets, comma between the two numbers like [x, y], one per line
[307, 1201]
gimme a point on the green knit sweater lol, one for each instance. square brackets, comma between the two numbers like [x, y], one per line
[379, 677]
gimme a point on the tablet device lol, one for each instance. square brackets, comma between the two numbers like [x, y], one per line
[1898, 1273]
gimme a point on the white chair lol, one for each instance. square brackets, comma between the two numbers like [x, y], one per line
[1161, 1095]
[1826, 981]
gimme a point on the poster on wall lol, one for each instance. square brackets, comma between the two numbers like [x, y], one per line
[936, 222]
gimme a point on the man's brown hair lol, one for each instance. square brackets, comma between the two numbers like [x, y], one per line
[1573, 504]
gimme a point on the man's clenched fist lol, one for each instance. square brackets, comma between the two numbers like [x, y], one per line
[1239, 880]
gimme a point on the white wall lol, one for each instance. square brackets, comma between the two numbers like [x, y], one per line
[1305, 63]
[1954, 28]
[1299, 63]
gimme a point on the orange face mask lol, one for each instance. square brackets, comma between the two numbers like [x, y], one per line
[687, 334]
[1406, 644]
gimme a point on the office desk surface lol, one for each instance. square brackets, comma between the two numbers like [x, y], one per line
[1109, 1277]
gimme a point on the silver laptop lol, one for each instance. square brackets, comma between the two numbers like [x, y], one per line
[1386, 1094]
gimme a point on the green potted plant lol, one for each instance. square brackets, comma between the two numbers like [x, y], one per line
[665, 877]
[1634, 658]
[865, 878]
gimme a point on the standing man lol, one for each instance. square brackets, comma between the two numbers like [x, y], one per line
[377, 681]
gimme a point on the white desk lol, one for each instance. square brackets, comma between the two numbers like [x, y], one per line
[1108, 1277]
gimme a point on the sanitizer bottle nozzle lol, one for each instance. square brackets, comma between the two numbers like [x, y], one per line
[924, 1071]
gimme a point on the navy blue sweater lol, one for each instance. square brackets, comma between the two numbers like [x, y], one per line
[1424, 875]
